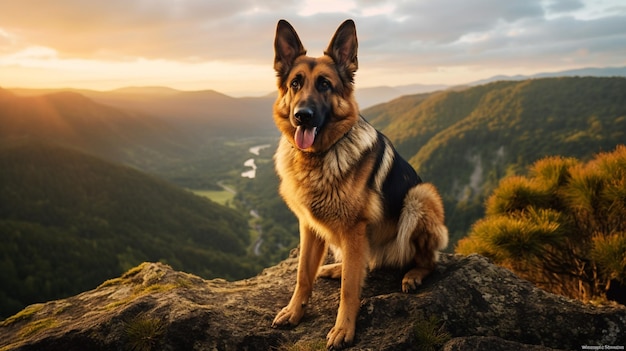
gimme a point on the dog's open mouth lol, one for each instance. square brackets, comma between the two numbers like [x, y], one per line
[305, 136]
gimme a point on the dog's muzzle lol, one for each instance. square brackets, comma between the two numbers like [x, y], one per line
[305, 128]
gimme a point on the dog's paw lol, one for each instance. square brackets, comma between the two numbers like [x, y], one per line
[409, 284]
[339, 337]
[288, 316]
[332, 271]
[412, 279]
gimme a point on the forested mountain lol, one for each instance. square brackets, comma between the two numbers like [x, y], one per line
[69, 221]
[466, 141]
[73, 120]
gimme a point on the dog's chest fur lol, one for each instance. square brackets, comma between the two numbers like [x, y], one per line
[327, 188]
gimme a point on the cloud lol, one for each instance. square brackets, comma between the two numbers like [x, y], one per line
[137, 28]
[395, 35]
[445, 21]
[560, 6]
[492, 32]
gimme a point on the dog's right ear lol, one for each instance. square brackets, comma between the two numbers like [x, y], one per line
[287, 47]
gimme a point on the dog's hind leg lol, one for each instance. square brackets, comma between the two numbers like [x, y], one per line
[425, 264]
[422, 217]
[332, 271]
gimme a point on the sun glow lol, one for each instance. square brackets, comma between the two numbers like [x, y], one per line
[313, 7]
[42, 67]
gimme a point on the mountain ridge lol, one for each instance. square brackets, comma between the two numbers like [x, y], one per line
[367, 96]
[374, 95]
[578, 72]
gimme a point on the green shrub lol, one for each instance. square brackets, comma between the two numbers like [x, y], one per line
[562, 226]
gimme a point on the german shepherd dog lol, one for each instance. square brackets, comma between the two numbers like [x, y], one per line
[345, 182]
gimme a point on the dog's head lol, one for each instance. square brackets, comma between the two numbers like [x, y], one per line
[315, 105]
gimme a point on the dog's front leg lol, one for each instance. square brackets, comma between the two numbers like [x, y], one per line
[355, 248]
[312, 249]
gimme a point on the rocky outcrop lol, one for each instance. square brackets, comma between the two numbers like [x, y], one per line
[466, 304]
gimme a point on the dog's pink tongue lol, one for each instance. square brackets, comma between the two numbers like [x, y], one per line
[304, 137]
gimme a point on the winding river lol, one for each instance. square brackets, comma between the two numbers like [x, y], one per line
[255, 150]
[250, 162]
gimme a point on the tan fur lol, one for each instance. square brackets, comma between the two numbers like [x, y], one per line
[328, 187]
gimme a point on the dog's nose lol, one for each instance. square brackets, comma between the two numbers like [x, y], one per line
[303, 115]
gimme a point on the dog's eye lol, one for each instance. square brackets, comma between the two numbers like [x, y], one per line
[295, 83]
[323, 84]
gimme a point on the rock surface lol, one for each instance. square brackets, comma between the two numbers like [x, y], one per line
[476, 304]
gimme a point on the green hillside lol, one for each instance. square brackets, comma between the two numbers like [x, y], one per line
[466, 141]
[69, 221]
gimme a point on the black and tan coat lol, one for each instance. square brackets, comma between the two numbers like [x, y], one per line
[349, 188]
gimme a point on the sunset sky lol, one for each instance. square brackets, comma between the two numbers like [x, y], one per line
[228, 45]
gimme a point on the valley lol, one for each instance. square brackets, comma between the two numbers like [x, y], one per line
[107, 180]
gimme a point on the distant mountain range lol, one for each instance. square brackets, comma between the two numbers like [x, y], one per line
[376, 95]
[371, 96]
[212, 110]
[582, 72]
[202, 114]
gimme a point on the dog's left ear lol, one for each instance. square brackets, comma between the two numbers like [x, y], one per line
[343, 47]
[287, 47]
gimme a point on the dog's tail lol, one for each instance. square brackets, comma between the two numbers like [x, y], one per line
[422, 223]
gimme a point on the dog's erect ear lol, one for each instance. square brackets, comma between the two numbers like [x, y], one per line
[287, 47]
[343, 47]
